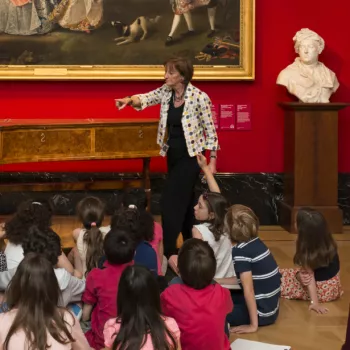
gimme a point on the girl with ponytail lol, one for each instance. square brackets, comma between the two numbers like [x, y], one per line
[91, 211]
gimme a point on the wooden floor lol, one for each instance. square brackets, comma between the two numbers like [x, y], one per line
[296, 326]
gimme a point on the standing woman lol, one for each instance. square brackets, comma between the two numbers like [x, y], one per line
[186, 119]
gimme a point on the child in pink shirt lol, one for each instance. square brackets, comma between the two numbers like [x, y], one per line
[32, 299]
[140, 322]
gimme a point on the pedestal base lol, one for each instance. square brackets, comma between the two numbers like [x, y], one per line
[333, 215]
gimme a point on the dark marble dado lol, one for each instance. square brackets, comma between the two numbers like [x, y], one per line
[260, 191]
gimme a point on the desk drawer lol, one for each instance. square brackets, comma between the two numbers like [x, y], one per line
[31, 145]
[126, 139]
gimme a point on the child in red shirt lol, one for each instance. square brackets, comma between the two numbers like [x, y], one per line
[102, 284]
[198, 304]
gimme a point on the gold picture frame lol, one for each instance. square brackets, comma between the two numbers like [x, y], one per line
[245, 70]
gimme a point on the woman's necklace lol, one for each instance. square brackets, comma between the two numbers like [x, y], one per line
[178, 98]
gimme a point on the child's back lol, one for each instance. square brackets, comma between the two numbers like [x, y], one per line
[254, 256]
[198, 305]
[32, 319]
[19, 341]
[222, 251]
[257, 273]
[200, 314]
[102, 284]
[140, 322]
[317, 277]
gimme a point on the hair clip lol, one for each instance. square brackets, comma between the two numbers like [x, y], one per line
[205, 195]
[93, 224]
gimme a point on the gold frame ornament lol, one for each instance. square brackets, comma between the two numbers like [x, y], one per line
[244, 71]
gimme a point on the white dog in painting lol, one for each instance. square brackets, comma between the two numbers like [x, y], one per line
[136, 30]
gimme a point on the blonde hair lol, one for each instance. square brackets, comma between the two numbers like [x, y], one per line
[241, 223]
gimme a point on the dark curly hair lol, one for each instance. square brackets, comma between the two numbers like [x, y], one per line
[133, 211]
[44, 242]
[140, 223]
[28, 213]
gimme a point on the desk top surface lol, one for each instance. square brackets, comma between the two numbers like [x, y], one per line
[4, 123]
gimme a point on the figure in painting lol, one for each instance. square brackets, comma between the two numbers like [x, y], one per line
[78, 15]
[184, 7]
[26, 17]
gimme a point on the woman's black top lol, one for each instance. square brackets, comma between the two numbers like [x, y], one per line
[176, 136]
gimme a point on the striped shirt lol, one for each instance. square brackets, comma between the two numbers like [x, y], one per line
[254, 256]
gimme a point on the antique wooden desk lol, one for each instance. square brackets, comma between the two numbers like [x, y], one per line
[28, 140]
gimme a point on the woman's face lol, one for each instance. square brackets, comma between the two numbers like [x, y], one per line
[172, 76]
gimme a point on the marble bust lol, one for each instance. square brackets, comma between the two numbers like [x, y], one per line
[307, 78]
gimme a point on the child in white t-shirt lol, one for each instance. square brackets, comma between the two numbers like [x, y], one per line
[210, 211]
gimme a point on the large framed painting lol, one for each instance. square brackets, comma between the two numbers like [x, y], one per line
[125, 39]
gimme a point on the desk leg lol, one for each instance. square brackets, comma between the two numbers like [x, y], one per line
[147, 181]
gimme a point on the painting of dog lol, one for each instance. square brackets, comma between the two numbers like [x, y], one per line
[137, 30]
[105, 34]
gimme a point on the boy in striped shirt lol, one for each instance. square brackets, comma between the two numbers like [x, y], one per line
[257, 303]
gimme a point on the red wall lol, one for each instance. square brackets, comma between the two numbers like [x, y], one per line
[259, 150]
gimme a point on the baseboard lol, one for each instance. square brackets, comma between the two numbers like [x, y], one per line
[260, 191]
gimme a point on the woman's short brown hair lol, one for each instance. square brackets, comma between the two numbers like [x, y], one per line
[183, 65]
[241, 223]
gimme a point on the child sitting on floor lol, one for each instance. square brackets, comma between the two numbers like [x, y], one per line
[102, 284]
[140, 226]
[47, 243]
[152, 231]
[91, 211]
[210, 211]
[140, 323]
[30, 213]
[257, 273]
[32, 319]
[198, 304]
[317, 277]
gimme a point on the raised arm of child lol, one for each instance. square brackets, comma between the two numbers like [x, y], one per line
[212, 184]
[249, 296]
